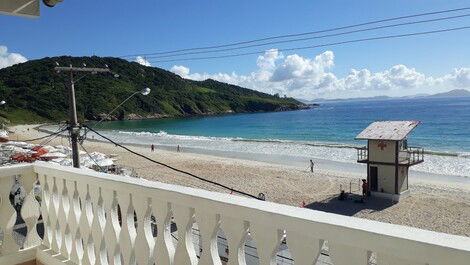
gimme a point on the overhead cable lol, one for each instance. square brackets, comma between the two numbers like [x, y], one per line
[173, 168]
[310, 38]
[300, 34]
[316, 46]
[46, 136]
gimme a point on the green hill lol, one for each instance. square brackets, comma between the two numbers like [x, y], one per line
[34, 92]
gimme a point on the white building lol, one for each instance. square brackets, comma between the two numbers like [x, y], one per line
[388, 157]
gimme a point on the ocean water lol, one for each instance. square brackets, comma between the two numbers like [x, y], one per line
[324, 133]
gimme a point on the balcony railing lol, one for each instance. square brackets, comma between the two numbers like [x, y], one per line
[411, 156]
[362, 154]
[95, 218]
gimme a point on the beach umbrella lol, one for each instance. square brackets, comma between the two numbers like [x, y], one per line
[54, 155]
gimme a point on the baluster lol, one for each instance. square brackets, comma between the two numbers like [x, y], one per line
[209, 225]
[348, 255]
[76, 247]
[53, 215]
[268, 240]
[164, 248]
[30, 210]
[128, 233]
[7, 216]
[45, 208]
[144, 242]
[305, 249]
[85, 223]
[98, 225]
[62, 218]
[112, 228]
[236, 231]
[184, 219]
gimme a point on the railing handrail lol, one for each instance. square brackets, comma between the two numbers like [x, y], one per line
[18, 169]
[267, 219]
[379, 232]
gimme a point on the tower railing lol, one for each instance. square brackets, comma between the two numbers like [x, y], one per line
[412, 155]
[362, 154]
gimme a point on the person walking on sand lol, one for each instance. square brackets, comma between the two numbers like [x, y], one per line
[311, 165]
[178, 148]
[365, 189]
[152, 147]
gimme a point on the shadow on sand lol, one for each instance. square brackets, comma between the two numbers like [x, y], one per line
[350, 205]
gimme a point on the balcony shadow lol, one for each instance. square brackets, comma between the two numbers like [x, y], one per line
[351, 204]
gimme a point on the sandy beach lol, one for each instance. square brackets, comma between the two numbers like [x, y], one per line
[437, 206]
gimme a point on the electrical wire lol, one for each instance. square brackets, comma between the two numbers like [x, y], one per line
[47, 141]
[92, 159]
[173, 168]
[318, 46]
[52, 137]
[46, 136]
[302, 34]
[311, 38]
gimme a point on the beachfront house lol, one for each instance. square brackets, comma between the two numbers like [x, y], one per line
[388, 157]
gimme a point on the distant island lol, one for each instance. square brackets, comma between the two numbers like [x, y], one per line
[451, 93]
[34, 92]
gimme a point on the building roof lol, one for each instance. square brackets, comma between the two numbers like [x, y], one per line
[26, 8]
[387, 130]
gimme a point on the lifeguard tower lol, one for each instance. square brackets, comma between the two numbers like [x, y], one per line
[388, 157]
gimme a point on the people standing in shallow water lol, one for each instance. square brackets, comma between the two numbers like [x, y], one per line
[311, 165]
[152, 147]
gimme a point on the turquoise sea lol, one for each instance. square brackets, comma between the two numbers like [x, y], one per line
[325, 132]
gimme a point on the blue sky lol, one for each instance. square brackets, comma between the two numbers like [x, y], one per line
[115, 28]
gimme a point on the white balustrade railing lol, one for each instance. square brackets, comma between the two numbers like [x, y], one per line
[95, 218]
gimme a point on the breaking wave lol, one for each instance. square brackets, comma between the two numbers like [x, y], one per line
[163, 134]
[438, 162]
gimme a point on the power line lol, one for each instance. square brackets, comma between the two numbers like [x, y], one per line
[52, 137]
[301, 34]
[92, 159]
[311, 38]
[173, 168]
[46, 136]
[317, 46]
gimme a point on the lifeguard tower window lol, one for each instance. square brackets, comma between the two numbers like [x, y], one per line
[373, 178]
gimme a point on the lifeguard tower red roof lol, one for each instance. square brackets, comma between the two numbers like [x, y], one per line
[387, 130]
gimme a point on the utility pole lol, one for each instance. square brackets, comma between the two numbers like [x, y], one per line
[74, 129]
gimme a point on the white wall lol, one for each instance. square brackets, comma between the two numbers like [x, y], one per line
[376, 153]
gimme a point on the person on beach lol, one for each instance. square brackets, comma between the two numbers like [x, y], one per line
[311, 165]
[152, 147]
[365, 189]
[178, 148]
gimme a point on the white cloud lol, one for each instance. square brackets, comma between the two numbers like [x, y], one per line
[460, 77]
[397, 77]
[303, 77]
[180, 70]
[141, 60]
[9, 59]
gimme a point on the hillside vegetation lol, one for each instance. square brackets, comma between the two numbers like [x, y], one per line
[34, 92]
